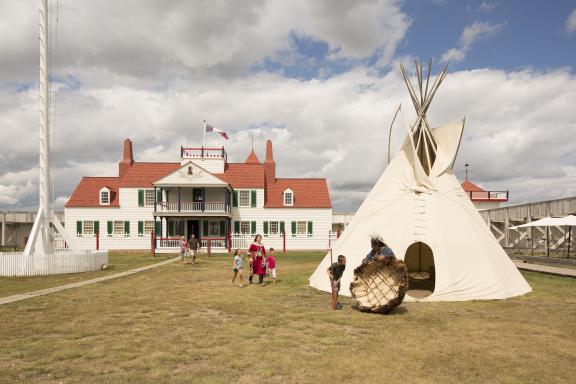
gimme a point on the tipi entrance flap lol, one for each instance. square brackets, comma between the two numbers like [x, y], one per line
[448, 138]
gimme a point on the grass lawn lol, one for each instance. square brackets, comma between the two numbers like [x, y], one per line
[117, 262]
[188, 324]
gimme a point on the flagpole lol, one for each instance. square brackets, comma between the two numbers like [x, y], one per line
[204, 135]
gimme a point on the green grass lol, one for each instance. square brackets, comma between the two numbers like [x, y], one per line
[188, 324]
[117, 262]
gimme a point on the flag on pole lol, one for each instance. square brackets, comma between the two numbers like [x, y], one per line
[210, 128]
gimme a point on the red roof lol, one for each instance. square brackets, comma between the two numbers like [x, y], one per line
[243, 175]
[252, 159]
[308, 193]
[87, 193]
[142, 175]
[471, 187]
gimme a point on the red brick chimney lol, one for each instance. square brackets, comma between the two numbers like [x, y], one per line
[127, 160]
[269, 165]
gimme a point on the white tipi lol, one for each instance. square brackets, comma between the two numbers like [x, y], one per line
[423, 214]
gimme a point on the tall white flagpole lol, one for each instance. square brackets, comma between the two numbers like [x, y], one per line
[204, 135]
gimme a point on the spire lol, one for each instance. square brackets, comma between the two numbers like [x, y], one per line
[127, 160]
[252, 159]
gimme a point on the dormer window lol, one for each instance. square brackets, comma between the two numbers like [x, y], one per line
[105, 196]
[288, 197]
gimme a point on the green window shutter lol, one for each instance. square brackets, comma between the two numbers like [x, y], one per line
[140, 227]
[79, 227]
[110, 227]
[282, 229]
[140, 197]
[235, 199]
[158, 228]
[222, 228]
[236, 227]
[158, 195]
[96, 226]
[265, 227]
[293, 228]
[170, 228]
[205, 227]
[253, 198]
[252, 227]
[309, 228]
[127, 227]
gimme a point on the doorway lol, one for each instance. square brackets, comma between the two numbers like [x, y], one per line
[193, 227]
[419, 260]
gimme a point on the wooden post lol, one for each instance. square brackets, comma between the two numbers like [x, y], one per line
[548, 240]
[152, 244]
[209, 246]
[569, 240]
[229, 241]
[97, 241]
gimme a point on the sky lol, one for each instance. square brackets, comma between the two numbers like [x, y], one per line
[320, 78]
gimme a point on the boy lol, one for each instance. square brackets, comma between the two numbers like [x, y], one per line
[335, 271]
[272, 264]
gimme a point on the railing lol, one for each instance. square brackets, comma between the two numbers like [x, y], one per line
[193, 206]
[488, 195]
[202, 153]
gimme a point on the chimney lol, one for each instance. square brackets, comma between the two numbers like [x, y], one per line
[269, 165]
[127, 160]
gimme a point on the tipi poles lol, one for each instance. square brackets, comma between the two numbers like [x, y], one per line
[390, 130]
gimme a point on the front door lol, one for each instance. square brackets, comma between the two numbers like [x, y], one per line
[193, 227]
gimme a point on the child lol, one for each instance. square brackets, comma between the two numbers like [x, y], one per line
[183, 249]
[251, 258]
[237, 266]
[272, 265]
[335, 271]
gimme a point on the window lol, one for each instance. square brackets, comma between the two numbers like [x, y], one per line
[118, 228]
[288, 197]
[88, 228]
[149, 197]
[244, 197]
[148, 227]
[104, 196]
[301, 227]
[214, 228]
[245, 227]
[274, 228]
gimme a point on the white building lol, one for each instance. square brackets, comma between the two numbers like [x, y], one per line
[483, 199]
[224, 204]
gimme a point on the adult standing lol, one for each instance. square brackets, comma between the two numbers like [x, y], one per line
[194, 246]
[258, 253]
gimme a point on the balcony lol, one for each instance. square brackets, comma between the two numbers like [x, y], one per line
[194, 207]
[496, 196]
[202, 153]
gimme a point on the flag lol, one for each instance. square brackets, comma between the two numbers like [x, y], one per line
[210, 128]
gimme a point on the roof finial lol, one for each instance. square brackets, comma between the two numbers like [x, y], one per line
[466, 165]
[252, 138]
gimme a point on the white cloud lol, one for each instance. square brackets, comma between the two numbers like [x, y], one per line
[487, 6]
[470, 34]
[571, 22]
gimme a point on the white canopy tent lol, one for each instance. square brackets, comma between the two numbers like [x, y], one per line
[423, 214]
[548, 222]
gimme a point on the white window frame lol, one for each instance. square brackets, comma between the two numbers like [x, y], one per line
[118, 224]
[148, 226]
[247, 193]
[107, 192]
[247, 224]
[148, 197]
[300, 225]
[288, 193]
[88, 227]
[274, 227]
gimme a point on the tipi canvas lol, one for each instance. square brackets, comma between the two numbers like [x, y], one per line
[421, 211]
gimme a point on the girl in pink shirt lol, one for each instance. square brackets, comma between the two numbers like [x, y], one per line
[272, 264]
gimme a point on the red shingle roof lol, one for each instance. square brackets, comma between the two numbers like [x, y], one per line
[87, 193]
[471, 187]
[142, 175]
[308, 193]
[252, 158]
[243, 175]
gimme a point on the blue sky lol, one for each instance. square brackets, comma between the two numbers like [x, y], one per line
[320, 78]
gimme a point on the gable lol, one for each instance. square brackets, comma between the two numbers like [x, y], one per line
[190, 174]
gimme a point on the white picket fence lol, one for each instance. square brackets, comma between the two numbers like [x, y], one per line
[15, 264]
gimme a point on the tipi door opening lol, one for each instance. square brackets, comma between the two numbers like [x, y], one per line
[419, 260]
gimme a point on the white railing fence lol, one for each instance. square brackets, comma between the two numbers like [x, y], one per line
[15, 264]
[193, 206]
